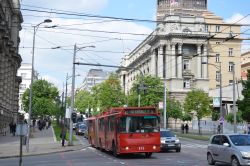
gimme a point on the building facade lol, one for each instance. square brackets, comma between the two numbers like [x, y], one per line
[245, 64]
[10, 60]
[187, 49]
[224, 49]
[94, 77]
[180, 7]
[174, 52]
[25, 73]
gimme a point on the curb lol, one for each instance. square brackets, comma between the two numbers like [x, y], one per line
[45, 153]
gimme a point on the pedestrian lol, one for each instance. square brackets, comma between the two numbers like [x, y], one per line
[34, 123]
[14, 129]
[63, 136]
[182, 128]
[186, 128]
[11, 127]
[218, 129]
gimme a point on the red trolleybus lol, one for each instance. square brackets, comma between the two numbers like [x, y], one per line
[126, 130]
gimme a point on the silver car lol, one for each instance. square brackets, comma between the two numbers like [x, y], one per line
[229, 148]
[169, 141]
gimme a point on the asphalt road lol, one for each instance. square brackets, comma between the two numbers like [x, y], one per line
[193, 153]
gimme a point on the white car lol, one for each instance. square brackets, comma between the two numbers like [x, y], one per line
[229, 148]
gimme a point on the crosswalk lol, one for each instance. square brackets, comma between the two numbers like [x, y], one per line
[193, 145]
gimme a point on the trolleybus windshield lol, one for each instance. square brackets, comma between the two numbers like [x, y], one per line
[139, 124]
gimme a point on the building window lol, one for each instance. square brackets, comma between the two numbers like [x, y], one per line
[185, 64]
[231, 82]
[217, 86]
[186, 84]
[217, 58]
[217, 76]
[231, 66]
[230, 52]
[22, 86]
[206, 28]
[217, 28]
[217, 43]
[23, 75]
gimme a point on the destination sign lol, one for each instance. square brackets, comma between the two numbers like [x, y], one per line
[140, 111]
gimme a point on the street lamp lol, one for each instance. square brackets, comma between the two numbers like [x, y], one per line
[35, 28]
[234, 100]
[219, 68]
[73, 91]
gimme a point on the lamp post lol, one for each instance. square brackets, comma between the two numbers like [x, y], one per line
[234, 100]
[35, 28]
[73, 92]
[220, 80]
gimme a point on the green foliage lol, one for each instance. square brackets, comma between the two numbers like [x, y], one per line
[230, 117]
[199, 102]
[174, 109]
[83, 100]
[45, 99]
[149, 97]
[186, 117]
[215, 115]
[244, 105]
[108, 94]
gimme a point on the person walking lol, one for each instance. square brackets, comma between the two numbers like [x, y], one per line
[182, 128]
[14, 129]
[63, 136]
[186, 128]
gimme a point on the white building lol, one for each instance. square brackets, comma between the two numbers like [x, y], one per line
[94, 77]
[25, 73]
[174, 52]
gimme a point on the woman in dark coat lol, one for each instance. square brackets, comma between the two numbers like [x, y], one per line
[63, 135]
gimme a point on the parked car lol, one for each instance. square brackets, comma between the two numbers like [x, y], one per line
[169, 141]
[229, 148]
[80, 129]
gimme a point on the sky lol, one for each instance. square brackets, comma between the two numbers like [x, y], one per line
[54, 44]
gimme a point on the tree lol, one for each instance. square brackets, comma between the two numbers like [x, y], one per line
[151, 96]
[199, 102]
[83, 100]
[174, 109]
[45, 99]
[108, 94]
[244, 105]
[230, 117]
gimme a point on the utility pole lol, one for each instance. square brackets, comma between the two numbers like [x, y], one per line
[72, 99]
[234, 102]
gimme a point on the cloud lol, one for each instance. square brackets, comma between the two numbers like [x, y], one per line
[235, 18]
[52, 80]
[53, 64]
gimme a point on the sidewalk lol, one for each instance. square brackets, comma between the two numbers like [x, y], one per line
[41, 142]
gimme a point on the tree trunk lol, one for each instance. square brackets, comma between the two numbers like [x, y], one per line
[199, 126]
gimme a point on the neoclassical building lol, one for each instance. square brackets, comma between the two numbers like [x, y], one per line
[174, 52]
[10, 60]
[186, 49]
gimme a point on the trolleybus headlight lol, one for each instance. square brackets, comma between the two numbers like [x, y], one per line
[127, 148]
[154, 147]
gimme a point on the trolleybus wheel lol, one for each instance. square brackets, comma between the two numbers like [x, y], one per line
[148, 154]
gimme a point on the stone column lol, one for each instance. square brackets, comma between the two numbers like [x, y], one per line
[160, 61]
[198, 62]
[179, 61]
[168, 61]
[205, 66]
[153, 63]
[173, 61]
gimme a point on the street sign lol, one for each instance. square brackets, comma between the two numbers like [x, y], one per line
[67, 114]
[216, 102]
[22, 129]
[160, 105]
